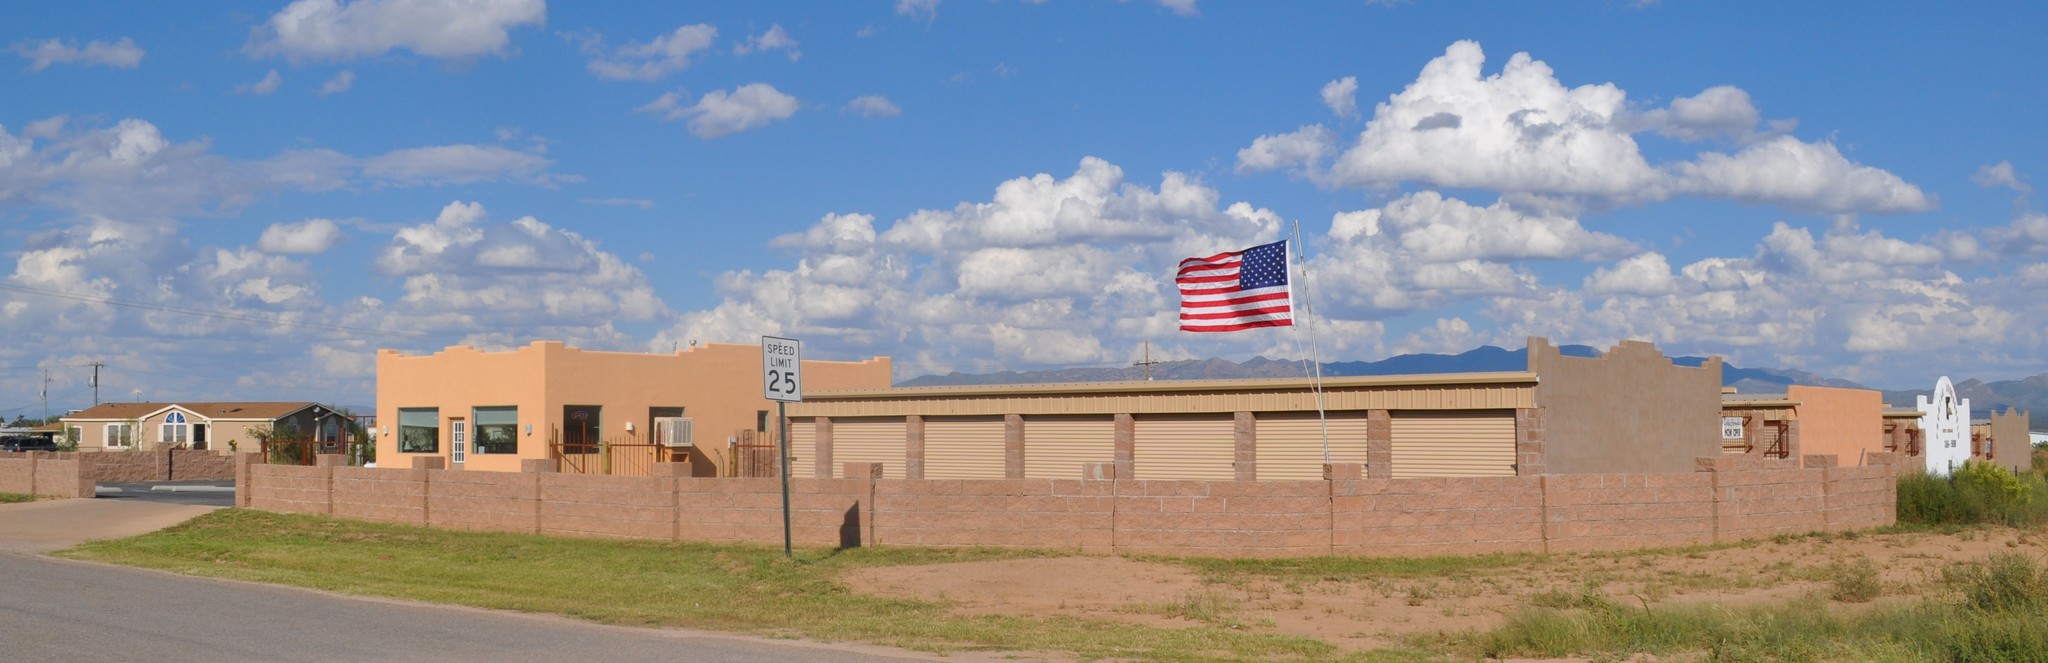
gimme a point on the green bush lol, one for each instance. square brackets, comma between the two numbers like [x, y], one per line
[1855, 581]
[1977, 493]
[2002, 582]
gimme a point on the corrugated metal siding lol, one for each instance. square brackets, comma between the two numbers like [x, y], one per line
[1453, 444]
[803, 443]
[963, 448]
[1184, 446]
[1055, 447]
[1402, 397]
[869, 440]
[1290, 444]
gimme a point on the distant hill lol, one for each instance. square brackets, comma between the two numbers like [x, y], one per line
[1483, 359]
[2030, 394]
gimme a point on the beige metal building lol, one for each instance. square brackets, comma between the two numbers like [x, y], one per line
[1631, 410]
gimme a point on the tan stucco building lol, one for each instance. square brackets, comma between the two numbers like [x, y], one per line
[199, 425]
[482, 410]
[1630, 410]
[1847, 423]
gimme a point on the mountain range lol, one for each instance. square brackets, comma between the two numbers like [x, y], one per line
[2030, 394]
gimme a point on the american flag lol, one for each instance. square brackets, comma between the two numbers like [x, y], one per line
[1236, 290]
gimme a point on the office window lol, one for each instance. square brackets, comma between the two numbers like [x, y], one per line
[419, 430]
[497, 430]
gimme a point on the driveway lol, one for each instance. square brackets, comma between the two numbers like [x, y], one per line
[46, 525]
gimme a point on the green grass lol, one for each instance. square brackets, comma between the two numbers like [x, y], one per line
[1352, 568]
[745, 589]
[16, 498]
[1992, 612]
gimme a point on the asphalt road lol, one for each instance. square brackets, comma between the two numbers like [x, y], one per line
[61, 610]
[204, 493]
[58, 610]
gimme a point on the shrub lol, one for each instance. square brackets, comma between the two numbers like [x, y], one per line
[2001, 582]
[1855, 581]
[1979, 492]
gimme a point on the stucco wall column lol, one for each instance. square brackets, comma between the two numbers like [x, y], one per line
[1379, 444]
[913, 447]
[1124, 438]
[1013, 446]
[1246, 432]
[1529, 442]
[821, 432]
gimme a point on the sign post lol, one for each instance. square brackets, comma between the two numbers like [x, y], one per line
[782, 362]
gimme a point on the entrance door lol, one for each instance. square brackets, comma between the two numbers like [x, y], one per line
[458, 441]
[199, 436]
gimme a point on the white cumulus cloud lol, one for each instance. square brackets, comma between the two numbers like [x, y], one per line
[872, 105]
[664, 55]
[122, 54]
[305, 237]
[341, 82]
[1341, 96]
[262, 87]
[775, 38]
[447, 29]
[719, 113]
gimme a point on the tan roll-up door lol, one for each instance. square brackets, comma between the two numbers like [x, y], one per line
[963, 448]
[1185, 446]
[1290, 444]
[803, 443]
[1454, 444]
[1057, 446]
[868, 440]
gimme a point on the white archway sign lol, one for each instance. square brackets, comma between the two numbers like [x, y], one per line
[1944, 429]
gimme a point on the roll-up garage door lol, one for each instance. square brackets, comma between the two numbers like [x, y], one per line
[868, 440]
[963, 448]
[1454, 444]
[1185, 446]
[1056, 446]
[803, 443]
[1290, 444]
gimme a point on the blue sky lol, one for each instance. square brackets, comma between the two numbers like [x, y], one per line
[247, 200]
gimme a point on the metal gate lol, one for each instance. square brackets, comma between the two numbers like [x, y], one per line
[1290, 444]
[964, 448]
[1057, 446]
[1185, 446]
[869, 440]
[1453, 444]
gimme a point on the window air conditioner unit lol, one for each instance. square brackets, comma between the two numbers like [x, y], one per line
[672, 431]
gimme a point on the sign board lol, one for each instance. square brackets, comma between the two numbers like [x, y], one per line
[781, 362]
[1731, 428]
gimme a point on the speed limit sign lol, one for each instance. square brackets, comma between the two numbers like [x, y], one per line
[781, 361]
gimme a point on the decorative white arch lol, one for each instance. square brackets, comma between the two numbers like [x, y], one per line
[1944, 429]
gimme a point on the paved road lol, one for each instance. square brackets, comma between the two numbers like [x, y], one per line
[204, 493]
[60, 610]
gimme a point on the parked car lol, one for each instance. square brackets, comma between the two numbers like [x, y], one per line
[28, 444]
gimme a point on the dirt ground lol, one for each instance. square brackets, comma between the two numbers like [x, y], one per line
[1368, 612]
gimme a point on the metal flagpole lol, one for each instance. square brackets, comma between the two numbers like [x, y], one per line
[1322, 415]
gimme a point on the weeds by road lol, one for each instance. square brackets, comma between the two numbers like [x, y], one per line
[15, 498]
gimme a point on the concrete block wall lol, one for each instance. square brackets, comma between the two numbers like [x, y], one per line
[1730, 498]
[1410, 517]
[164, 464]
[45, 474]
[1584, 512]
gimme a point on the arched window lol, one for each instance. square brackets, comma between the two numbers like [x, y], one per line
[175, 431]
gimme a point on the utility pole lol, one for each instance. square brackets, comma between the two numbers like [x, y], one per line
[46, 394]
[1147, 363]
[96, 381]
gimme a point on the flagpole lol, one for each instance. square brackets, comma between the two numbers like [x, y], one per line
[1322, 414]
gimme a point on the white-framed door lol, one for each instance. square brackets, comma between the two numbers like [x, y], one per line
[458, 442]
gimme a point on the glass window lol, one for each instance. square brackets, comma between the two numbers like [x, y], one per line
[419, 430]
[497, 430]
[174, 430]
[120, 436]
